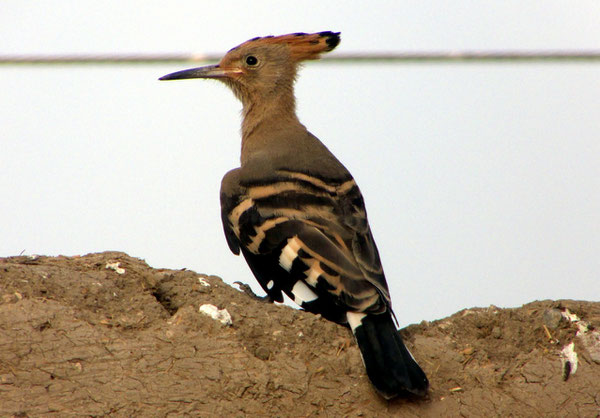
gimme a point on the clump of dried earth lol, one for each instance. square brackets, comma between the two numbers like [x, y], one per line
[105, 334]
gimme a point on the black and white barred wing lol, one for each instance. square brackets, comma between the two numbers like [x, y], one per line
[307, 238]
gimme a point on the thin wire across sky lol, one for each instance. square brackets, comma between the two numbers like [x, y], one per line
[391, 57]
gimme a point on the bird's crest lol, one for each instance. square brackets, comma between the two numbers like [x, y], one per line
[303, 46]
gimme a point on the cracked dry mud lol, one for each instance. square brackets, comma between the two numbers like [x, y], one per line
[78, 338]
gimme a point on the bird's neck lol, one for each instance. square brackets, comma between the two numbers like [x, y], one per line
[262, 119]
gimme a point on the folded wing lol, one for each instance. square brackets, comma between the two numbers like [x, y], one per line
[306, 237]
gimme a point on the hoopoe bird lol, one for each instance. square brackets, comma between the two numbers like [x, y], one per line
[295, 212]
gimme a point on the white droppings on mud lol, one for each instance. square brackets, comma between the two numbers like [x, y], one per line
[217, 314]
[203, 282]
[116, 266]
[569, 360]
[589, 337]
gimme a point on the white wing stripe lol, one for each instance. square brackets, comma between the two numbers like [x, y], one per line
[303, 293]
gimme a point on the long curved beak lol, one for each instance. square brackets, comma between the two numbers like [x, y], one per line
[209, 71]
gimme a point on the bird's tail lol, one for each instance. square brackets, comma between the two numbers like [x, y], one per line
[390, 366]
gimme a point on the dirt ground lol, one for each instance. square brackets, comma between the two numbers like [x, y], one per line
[87, 336]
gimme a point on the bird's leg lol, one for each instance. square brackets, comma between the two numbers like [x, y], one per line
[248, 290]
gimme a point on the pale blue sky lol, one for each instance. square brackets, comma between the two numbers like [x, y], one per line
[482, 181]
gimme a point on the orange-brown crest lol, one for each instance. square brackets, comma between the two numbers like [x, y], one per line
[303, 46]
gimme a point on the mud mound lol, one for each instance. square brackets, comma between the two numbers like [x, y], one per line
[106, 334]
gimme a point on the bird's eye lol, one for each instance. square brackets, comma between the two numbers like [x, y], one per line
[251, 60]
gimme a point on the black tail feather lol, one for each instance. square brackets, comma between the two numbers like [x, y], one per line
[390, 366]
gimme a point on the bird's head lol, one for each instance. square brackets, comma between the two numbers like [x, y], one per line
[262, 68]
